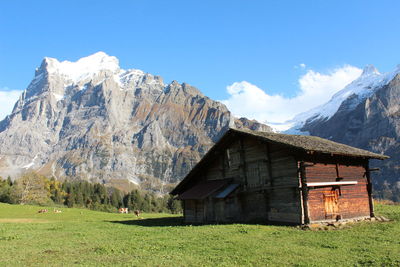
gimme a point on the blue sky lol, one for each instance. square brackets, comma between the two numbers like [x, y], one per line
[209, 44]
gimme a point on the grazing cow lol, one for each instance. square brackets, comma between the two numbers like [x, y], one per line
[57, 211]
[123, 210]
[137, 213]
[43, 211]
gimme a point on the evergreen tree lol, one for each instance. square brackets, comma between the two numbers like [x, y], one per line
[115, 198]
[136, 200]
[69, 197]
[86, 193]
[9, 181]
[146, 204]
[174, 205]
[128, 201]
[5, 191]
[78, 196]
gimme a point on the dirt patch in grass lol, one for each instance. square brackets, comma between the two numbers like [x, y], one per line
[49, 251]
[22, 220]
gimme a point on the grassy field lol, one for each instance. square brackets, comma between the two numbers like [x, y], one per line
[84, 237]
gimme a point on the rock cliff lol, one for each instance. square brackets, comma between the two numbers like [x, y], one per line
[92, 120]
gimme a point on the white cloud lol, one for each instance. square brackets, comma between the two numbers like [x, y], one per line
[7, 101]
[247, 100]
[300, 66]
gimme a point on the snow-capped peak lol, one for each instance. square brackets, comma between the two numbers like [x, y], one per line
[364, 86]
[369, 69]
[84, 67]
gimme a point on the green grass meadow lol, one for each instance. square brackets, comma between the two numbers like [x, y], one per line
[90, 238]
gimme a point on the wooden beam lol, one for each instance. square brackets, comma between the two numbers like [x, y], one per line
[267, 204]
[324, 184]
[269, 166]
[337, 171]
[369, 188]
[205, 210]
[243, 160]
[184, 208]
[304, 192]
[223, 164]
[300, 191]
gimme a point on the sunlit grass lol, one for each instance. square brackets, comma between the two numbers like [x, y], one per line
[79, 236]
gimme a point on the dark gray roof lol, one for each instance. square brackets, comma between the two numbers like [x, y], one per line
[203, 189]
[313, 143]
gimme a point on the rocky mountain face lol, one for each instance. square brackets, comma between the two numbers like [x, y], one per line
[92, 120]
[368, 117]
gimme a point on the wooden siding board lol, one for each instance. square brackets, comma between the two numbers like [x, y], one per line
[352, 199]
[284, 202]
[284, 171]
[253, 206]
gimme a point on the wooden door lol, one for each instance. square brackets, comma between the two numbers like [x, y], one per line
[331, 204]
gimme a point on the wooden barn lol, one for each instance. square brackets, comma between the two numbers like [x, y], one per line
[278, 178]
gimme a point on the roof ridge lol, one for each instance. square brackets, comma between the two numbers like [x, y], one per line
[312, 143]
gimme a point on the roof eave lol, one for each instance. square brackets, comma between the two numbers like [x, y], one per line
[176, 190]
[373, 156]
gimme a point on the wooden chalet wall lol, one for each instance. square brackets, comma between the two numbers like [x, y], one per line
[284, 196]
[244, 162]
[274, 181]
[347, 201]
[269, 179]
[193, 211]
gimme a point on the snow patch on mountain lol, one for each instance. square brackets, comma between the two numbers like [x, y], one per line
[87, 68]
[31, 164]
[129, 76]
[84, 67]
[58, 97]
[364, 86]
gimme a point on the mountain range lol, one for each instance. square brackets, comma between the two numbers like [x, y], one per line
[92, 120]
[364, 114]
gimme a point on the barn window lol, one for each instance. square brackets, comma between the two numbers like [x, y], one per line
[232, 159]
[228, 158]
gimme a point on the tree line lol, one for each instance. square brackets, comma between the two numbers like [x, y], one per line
[387, 191]
[33, 188]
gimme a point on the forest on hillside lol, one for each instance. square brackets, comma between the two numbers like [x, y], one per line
[33, 188]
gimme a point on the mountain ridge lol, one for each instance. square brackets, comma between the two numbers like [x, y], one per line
[367, 118]
[105, 123]
[361, 88]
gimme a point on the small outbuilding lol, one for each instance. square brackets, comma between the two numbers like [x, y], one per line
[278, 178]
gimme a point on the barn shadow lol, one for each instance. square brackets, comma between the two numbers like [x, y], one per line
[178, 221]
[154, 222]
